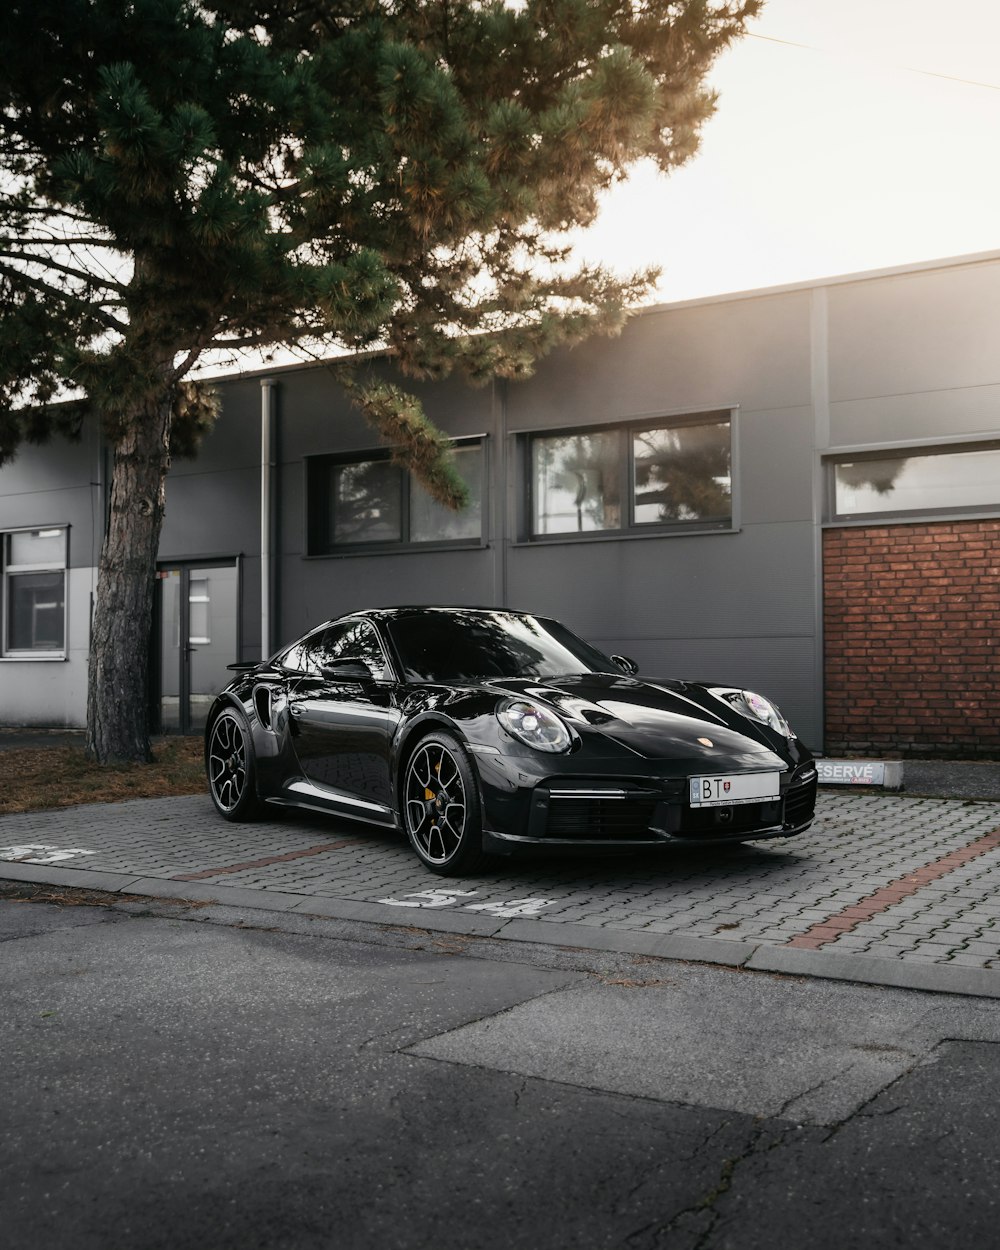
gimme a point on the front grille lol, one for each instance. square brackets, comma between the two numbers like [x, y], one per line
[723, 822]
[600, 818]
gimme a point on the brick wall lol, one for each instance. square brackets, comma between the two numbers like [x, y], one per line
[911, 625]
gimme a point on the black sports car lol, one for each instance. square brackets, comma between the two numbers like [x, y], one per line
[476, 731]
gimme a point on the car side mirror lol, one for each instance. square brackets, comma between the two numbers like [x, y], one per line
[346, 670]
[626, 665]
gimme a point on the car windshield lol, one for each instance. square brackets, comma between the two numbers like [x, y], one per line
[460, 646]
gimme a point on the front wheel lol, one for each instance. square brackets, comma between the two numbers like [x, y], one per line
[441, 811]
[229, 761]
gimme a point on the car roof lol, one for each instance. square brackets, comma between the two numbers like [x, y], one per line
[408, 609]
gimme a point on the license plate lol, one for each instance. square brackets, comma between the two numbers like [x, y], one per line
[738, 788]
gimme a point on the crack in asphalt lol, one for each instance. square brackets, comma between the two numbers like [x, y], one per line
[661, 1231]
[37, 933]
[651, 1172]
[863, 1111]
[730, 1167]
[763, 1138]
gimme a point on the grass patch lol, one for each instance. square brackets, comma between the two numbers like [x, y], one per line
[35, 778]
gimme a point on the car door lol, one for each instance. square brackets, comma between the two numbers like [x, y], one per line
[342, 726]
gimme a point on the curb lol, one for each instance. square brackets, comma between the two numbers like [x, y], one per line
[747, 956]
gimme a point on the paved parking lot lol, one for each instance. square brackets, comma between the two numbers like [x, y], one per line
[884, 888]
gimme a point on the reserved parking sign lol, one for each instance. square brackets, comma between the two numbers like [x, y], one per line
[888, 774]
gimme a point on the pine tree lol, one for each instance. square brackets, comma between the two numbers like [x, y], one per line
[184, 175]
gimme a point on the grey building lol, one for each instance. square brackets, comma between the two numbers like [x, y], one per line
[728, 490]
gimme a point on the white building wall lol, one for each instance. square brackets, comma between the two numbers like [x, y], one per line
[53, 693]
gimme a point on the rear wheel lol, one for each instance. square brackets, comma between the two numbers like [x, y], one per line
[441, 810]
[229, 761]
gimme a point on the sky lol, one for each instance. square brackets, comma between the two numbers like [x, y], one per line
[876, 143]
[857, 151]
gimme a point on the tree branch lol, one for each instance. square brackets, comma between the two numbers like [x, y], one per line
[19, 278]
[50, 210]
[88, 279]
[66, 240]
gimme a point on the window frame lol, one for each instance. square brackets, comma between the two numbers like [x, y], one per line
[9, 571]
[318, 542]
[834, 457]
[627, 429]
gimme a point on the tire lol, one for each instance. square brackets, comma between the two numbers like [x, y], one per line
[230, 765]
[442, 815]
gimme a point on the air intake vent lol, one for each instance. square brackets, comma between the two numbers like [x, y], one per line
[598, 819]
[262, 705]
[800, 802]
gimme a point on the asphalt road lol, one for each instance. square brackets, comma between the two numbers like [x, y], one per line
[196, 1076]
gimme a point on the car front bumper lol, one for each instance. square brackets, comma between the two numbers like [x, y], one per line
[620, 809]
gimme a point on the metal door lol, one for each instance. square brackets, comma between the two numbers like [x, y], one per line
[198, 637]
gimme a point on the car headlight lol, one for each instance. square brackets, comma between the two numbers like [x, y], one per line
[764, 710]
[534, 726]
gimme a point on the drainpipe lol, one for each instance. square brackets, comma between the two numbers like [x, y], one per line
[267, 388]
[501, 510]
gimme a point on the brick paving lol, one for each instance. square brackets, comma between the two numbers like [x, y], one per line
[913, 880]
[851, 918]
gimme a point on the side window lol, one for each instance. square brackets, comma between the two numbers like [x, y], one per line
[308, 655]
[327, 645]
[347, 640]
[352, 640]
[361, 643]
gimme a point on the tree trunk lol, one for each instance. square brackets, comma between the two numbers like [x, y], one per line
[118, 681]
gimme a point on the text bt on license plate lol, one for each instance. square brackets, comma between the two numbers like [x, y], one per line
[739, 788]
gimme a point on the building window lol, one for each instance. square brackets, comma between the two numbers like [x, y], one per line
[34, 593]
[673, 474]
[365, 503]
[576, 483]
[945, 480]
[199, 607]
[373, 504]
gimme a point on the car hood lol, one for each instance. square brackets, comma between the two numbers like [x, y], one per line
[655, 720]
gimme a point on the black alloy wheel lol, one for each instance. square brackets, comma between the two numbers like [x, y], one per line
[230, 764]
[441, 811]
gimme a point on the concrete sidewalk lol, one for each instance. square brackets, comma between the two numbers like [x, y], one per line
[885, 889]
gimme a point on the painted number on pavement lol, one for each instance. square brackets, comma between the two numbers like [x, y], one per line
[513, 907]
[502, 908]
[39, 853]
